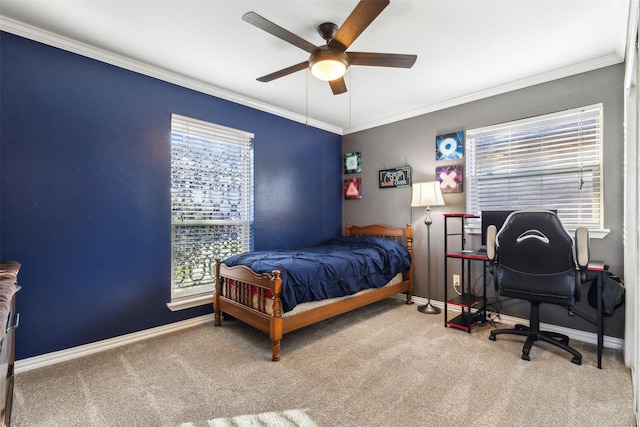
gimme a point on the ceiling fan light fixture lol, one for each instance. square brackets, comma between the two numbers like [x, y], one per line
[328, 64]
[330, 61]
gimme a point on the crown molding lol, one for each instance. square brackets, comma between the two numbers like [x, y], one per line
[583, 67]
[46, 37]
[33, 33]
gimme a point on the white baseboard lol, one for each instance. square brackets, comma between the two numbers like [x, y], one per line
[588, 337]
[85, 350]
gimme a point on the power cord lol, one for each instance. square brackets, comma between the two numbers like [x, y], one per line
[493, 309]
[455, 289]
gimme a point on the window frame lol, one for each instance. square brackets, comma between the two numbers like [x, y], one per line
[212, 184]
[550, 153]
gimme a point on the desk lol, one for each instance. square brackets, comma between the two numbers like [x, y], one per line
[599, 268]
[467, 301]
[595, 266]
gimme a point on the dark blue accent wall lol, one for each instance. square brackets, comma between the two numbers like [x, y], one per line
[85, 192]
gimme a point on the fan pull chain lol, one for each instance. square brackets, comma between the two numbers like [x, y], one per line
[306, 98]
[350, 93]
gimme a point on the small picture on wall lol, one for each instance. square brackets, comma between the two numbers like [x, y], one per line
[352, 163]
[449, 146]
[398, 177]
[450, 178]
[353, 188]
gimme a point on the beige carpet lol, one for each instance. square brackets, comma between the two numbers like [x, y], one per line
[383, 365]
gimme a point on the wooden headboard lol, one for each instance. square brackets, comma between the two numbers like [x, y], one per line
[402, 235]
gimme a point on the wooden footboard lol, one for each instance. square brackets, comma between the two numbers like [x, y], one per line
[256, 298]
[244, 294]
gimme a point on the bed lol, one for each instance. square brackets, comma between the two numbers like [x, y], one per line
[262, 296]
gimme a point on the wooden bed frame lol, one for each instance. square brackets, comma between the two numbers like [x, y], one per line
[240, 304]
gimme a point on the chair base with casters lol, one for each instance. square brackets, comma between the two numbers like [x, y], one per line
[533, 334]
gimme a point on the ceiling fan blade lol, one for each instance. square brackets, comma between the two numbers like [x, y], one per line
[363, 15]
[276, 30]
[284, 72]
[338, 86]
[381, 59]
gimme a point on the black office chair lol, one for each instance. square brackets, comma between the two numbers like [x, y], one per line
[533, 259]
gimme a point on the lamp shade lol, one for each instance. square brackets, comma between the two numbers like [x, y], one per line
[426, 194]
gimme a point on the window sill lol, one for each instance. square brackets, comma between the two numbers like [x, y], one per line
[189, 302]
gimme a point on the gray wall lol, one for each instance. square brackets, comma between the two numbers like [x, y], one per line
[412, 142]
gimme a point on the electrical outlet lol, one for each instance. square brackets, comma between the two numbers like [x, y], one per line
[456, 280]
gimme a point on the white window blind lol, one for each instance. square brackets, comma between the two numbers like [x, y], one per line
[545, 162]
[211, 201]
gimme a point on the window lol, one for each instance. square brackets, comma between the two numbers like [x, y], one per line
[547, 162]
[211, 201]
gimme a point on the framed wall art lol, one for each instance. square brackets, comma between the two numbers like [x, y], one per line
[450, 178]
[352, 163]
[392, 178]
[352, 188]
[449, 146]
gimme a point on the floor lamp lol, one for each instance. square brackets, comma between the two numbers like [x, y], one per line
[427, 194]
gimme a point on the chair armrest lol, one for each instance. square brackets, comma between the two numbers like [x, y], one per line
[491, 243]
[582, 251]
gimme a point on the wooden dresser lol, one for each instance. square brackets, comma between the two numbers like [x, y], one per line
[8, 323]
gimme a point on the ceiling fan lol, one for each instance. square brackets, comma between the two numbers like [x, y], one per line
[329, 62]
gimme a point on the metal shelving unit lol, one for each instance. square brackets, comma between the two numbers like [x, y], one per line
[472, 307]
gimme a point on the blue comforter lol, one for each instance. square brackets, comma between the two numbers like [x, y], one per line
[339, 267]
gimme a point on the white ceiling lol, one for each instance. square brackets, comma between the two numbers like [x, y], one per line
[467, 49]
